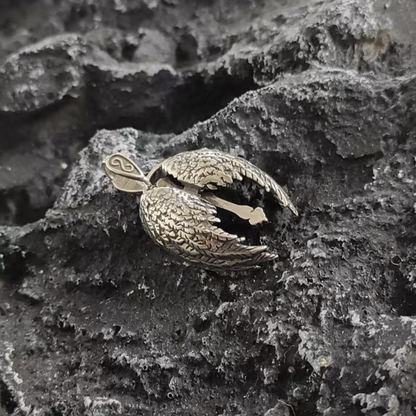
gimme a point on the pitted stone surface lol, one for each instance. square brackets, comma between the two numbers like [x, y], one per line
[95, 319]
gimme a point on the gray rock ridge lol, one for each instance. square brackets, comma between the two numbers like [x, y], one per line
[95, 319]
[156, 66]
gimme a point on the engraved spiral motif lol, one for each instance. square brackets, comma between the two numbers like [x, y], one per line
[122, 164]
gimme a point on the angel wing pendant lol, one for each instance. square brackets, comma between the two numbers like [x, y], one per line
[183, 219]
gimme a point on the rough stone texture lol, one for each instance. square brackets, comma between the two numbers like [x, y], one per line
[97, 320]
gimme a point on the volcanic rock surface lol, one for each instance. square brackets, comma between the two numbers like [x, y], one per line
[95, 319]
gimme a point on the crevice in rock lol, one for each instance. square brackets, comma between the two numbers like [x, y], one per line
[201, 325]
[7, 400]
[402, 298]
[40, 147]
[196, 100]
[127, 51]
[16, 209]
[288, 60]
[13, 265]
[186, 52]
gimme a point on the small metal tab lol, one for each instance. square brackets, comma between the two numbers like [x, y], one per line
[125, 174]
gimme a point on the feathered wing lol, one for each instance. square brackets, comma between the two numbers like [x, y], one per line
[184, 224]
[208, 169]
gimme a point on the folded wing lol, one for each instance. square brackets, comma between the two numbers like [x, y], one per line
[185, 225]
[208, 169]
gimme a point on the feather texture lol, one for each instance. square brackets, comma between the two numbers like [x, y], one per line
[208, 169]
[184, 224]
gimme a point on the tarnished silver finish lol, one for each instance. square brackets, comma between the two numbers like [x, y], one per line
[125, 174]
[183, 219]
[208, 169]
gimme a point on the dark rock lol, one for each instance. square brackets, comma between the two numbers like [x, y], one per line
[41, 75]
[95, 319]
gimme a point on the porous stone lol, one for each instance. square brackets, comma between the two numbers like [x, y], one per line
[95, 319]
